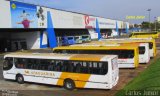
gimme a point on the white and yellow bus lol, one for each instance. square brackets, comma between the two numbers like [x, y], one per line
[67, 70]
[144, 53]
[128, 56]
[152, 44]
[150, 41]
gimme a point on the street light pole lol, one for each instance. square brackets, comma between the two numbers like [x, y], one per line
[149, 10]
[155, 23]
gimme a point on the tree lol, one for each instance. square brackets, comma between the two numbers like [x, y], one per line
[145, 25]
[136, 25]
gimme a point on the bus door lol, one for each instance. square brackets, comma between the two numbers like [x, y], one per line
[115, 71]
[151, 49]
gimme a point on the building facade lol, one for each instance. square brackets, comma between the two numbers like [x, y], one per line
[26, 26]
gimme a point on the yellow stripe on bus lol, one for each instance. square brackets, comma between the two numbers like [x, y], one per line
[79, 79]
[87, 57]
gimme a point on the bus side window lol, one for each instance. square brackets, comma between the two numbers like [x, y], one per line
[132, 54]
[29, 64]
[78, 67]
[51, 66]
[20, 62]
[70, 66]
[44, 63]
[35, 64]
[58, 66]
[98, 68]
[121, 54]
[32, 63]
[85, 67]
[104, 68]
[95, 69]
[90, 67]
[65, 66]
[126, 55]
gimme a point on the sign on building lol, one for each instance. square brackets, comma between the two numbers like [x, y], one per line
[23, 15]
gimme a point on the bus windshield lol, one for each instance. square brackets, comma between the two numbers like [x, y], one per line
[8, 63]
[141, 50]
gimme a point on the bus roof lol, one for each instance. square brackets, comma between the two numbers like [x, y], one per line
[122, 47]
[96, 44]
[144, 32]
[84, 57]
[117, 44]
[129, 40]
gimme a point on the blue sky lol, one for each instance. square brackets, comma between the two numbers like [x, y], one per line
[114, 9]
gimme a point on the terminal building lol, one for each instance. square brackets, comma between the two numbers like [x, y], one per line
[27, 26]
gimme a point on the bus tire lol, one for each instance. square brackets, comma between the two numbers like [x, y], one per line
[20, 79]
[69, 84]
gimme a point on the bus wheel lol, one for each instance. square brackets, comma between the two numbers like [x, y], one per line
[20, 79]
[69, 84]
